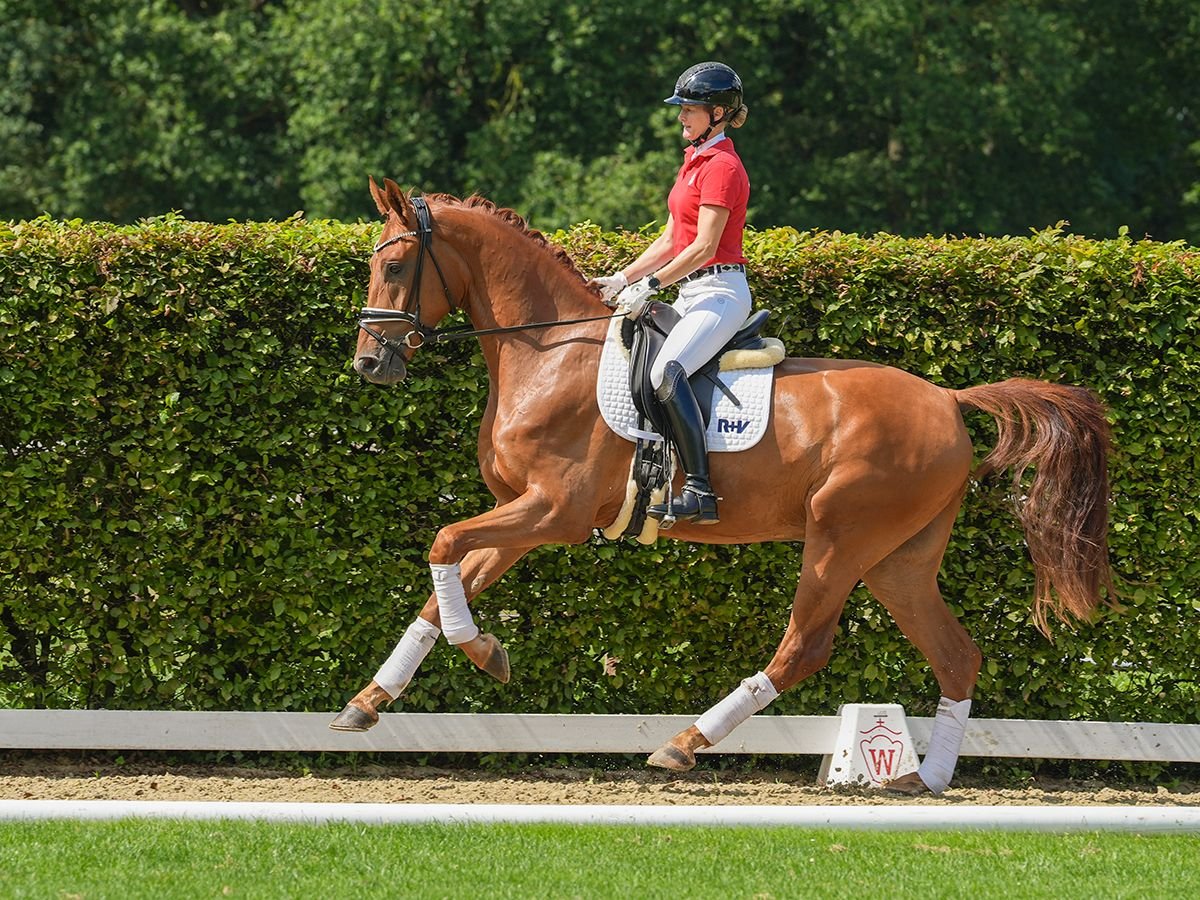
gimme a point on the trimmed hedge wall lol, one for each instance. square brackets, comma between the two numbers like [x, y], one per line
[203, 507]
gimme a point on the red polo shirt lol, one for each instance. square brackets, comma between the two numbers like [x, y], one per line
[713, 176]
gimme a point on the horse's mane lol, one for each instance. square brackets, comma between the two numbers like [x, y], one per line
[514, 219]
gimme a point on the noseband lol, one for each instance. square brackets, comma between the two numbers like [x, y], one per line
[421, 333]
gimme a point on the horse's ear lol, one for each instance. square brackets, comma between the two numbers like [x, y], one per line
[397, 200]
[379, 196]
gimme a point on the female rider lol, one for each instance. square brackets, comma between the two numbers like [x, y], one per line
[701, 250]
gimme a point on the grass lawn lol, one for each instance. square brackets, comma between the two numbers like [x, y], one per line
[164, 859]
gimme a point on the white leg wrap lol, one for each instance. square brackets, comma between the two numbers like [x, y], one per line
[395, 674]
[457, 624]
[944, 743]
[752, 695]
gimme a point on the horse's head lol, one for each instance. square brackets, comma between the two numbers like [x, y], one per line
[409, 293]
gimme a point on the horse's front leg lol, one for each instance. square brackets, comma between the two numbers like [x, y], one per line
[482, 568]
[481, 549]
[529, 521]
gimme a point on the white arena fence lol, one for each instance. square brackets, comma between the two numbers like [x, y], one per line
[39, 729]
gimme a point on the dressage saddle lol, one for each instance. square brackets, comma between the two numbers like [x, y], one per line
[645, 338]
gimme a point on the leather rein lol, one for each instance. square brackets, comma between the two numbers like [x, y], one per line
[427, 334]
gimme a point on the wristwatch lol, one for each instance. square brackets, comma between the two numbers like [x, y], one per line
[653, 283]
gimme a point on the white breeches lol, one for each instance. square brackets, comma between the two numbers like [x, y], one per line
[712, 309]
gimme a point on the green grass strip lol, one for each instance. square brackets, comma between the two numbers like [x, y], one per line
[164, 859]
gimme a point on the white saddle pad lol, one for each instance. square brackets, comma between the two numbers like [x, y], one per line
[730, 427]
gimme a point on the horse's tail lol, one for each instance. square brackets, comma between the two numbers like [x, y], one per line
[1062, 432]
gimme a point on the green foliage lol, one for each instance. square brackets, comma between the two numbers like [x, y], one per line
[892, 115]
[203, 507]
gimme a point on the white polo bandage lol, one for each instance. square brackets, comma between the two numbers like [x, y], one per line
[944, 743]
[457, 624]
[395, 674]
[752, 695]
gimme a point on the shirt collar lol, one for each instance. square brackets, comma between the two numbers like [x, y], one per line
[709, 144]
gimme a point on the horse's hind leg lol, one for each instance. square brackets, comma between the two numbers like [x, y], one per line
[849, 533]
[905, 582]
[826, 579]
[482, 568]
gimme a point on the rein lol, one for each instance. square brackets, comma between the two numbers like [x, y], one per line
[425, 334]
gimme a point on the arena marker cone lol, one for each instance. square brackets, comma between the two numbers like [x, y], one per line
[873, 746]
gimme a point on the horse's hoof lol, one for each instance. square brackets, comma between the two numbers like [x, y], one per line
[909, 785]
[668, 756]
[354, 718]
[496, 662]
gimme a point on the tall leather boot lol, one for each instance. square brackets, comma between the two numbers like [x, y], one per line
[696, 502]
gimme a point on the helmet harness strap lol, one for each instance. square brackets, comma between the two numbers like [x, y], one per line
[713, 122]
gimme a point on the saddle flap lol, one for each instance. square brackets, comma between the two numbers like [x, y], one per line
[645, 338]
[648, 335]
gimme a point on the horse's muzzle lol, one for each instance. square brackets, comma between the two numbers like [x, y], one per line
[383, 367]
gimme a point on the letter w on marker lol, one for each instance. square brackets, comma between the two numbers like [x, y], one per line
[882, 760]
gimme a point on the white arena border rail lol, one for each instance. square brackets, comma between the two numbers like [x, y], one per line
[41, 729]
[906, 817]
[500, 733]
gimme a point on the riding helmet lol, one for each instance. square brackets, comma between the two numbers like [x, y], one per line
[708, 83]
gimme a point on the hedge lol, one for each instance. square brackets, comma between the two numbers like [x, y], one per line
[203, 507]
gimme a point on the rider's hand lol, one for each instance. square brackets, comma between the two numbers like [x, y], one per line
[611, 285]
[634, 298]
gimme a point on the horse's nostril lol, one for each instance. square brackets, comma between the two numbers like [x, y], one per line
[364, 365]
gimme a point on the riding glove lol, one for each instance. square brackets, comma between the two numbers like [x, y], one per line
[611, 285]
[634, 298]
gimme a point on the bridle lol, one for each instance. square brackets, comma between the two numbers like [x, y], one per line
[427, 334]
[375, 315]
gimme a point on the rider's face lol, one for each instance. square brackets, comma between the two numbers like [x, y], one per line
[695, 119]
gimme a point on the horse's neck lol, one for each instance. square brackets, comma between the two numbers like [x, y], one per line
[516, 283]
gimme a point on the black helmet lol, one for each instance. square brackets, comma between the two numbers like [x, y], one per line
[709, 83]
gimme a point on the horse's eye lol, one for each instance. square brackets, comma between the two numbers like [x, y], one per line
[395, 268]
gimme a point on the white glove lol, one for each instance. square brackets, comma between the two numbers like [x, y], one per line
[634, 298]
[611, 285]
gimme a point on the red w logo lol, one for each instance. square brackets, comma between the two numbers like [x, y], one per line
[881, 753]
[882, 760]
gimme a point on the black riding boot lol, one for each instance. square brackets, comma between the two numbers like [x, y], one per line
[696, 502]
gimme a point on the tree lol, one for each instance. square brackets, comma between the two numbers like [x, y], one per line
[132, 110]
[909, 116]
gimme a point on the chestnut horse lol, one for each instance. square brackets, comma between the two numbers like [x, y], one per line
[866, 464]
